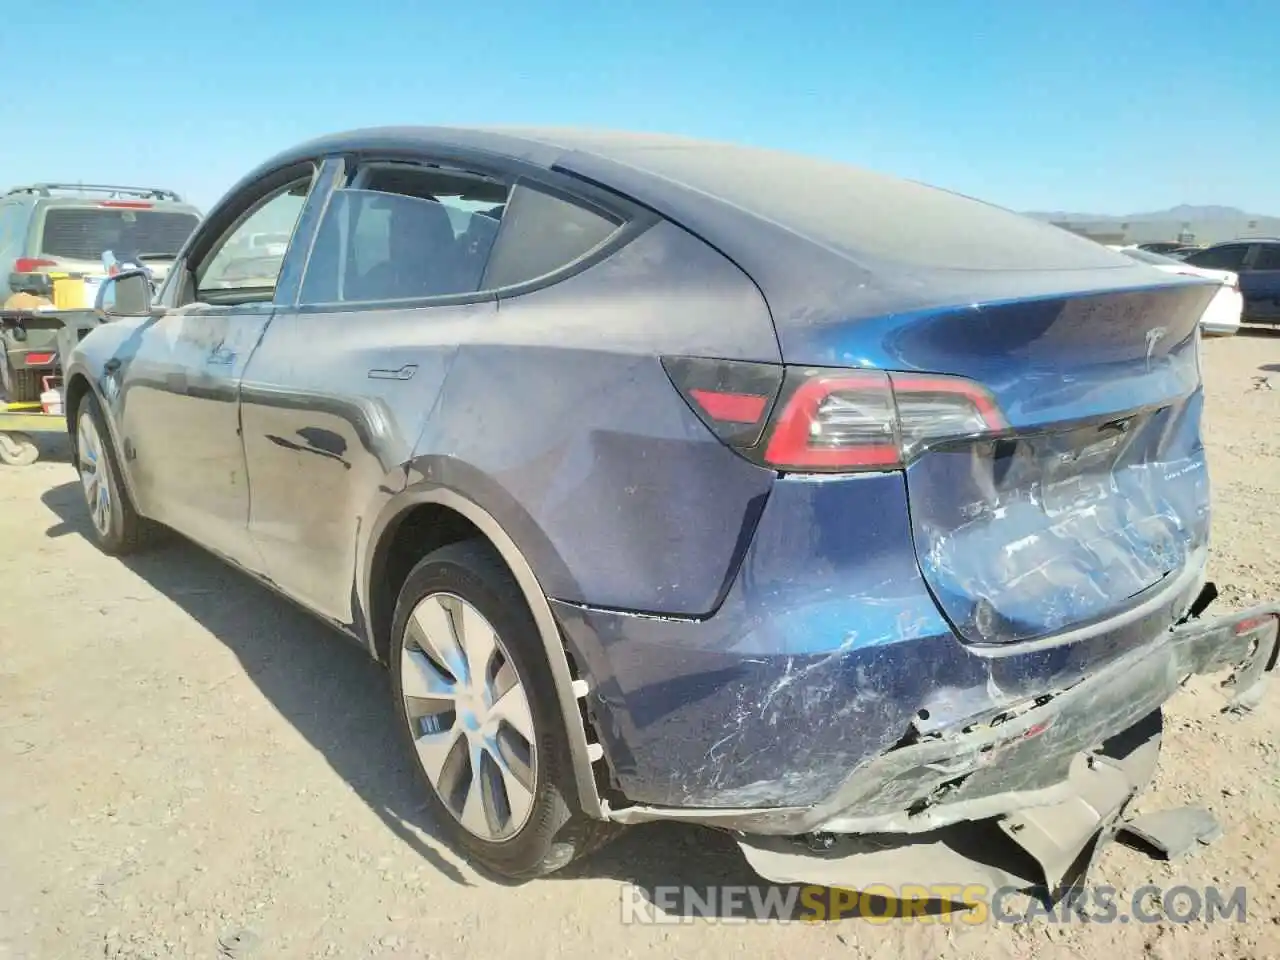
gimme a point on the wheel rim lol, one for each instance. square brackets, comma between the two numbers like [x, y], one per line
[469, 716]
[93, 473]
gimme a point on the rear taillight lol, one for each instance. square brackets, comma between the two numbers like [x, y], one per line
[32, 264]
[835, 421]
[933, 409]
[830, 420]
[731, 397]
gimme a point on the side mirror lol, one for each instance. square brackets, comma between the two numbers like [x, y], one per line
[127, 294]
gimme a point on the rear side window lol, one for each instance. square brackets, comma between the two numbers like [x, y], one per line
[404, 233]
[85, 233]
[1268, 257]
[1219, 258]
[542, 233]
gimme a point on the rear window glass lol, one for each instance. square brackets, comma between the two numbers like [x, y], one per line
[1268, 257]
[85, 233]
[1219, 258]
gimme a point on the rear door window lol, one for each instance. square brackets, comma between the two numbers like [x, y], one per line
[405, 232]
[1226, 257]
[85, 233]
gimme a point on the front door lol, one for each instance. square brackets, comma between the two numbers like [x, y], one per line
[183, 440]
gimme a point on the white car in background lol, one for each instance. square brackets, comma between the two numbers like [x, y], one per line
[1222, 316]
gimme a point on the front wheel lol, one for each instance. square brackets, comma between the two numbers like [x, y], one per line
[477, 702]
[117, 527]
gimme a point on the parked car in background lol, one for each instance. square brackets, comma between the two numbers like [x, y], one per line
[54, 230]
[1257, 261]
[1181, 252]
[1162, 246]
[269, 244]
[677, 480]
[1222, 316]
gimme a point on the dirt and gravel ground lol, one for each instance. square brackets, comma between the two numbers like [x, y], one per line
[191, 767]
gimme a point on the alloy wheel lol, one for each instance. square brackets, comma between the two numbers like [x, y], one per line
[93, 477]
[469, 716]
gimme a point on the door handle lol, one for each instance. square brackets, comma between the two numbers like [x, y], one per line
[222, 357]
[404, 373]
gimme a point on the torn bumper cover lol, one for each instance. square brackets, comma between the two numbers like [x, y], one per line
[1046, 780]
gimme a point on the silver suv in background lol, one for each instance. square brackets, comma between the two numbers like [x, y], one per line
[52, 232]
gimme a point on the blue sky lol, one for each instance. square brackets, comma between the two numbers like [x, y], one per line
[1118, 107]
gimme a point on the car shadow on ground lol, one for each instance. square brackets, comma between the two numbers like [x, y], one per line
[339, 699]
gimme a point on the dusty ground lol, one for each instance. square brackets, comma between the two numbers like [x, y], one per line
[186, 759]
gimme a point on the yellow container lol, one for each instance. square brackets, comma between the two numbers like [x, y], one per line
[68, 292]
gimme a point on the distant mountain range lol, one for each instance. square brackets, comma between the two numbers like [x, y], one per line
[1184, 212]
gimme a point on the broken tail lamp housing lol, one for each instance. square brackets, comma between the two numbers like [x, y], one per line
[831, 420]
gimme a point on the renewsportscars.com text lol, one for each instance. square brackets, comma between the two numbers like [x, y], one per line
[937, 903]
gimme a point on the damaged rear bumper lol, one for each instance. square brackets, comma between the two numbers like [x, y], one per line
[1046, 778]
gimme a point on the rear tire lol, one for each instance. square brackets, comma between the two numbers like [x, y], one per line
[117, 527]
[463, 642]
[20, 386]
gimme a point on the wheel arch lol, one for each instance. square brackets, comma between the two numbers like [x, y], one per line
[462, 515]
[78, 384]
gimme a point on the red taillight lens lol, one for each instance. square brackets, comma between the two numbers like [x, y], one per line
[728, 407]
[831, 420]
[39, 359]
[868, 420]
[837, 421]
[32, 264]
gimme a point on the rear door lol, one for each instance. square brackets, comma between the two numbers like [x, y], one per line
[336, 395]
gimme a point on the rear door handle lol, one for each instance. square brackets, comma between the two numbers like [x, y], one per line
[404, 373]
